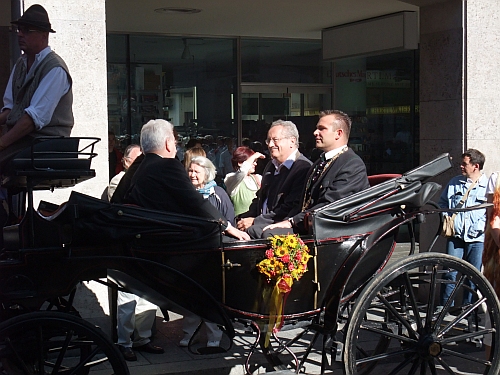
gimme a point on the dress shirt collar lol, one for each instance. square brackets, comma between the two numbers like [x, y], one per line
[330, 154]
[287, 163]
[38, 58]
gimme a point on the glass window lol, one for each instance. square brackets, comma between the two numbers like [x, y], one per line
[187, 81]
[380, 94]
[283, 61]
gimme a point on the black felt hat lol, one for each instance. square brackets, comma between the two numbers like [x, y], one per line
[35, 16]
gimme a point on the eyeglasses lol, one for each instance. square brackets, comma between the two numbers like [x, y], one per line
[23, 29]
[275, 140]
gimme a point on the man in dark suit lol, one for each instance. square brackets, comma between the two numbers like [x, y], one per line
[282, 181]
[161, 182]
[338, 173]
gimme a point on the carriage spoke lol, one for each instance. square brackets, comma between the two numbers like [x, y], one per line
[432, 297]
[414, 368]
[413, 301]
[402, 365]
[432, 366]
[398, 316]
[463, 315]
[467, 357]
[446, 307]
[388, 334]
[64, 349]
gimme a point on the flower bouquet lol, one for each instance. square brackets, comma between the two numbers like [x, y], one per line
[285, 262]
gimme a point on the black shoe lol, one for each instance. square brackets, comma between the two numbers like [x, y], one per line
[127, 353]
[150, 348]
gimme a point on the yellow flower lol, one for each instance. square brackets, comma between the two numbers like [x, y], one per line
[292, 241]
[281, 251]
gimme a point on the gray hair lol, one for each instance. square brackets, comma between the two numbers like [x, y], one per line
[154, 135]
[129, 149]
[206, 164]
[289, 129]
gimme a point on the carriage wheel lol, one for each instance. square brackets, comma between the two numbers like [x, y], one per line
[56, 343]
[398, 307]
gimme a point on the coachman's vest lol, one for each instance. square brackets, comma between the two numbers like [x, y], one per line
[62, 119]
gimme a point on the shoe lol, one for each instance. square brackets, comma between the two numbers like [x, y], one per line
[213, 344]
[128, 353]
[185, 342]
[150, 348]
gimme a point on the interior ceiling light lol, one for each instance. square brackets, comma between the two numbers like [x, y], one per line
[172, 10]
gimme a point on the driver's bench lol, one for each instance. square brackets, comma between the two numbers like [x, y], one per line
[49, 163]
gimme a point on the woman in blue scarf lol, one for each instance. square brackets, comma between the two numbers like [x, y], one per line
[202, 173]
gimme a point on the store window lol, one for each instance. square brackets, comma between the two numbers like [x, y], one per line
[283, 61]
[380, 94]
[187, 81]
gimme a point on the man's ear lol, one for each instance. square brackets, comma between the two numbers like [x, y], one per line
[168, 147]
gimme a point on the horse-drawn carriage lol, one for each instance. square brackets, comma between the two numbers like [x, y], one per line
[371, 317]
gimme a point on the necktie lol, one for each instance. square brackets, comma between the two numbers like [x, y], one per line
[316, 173]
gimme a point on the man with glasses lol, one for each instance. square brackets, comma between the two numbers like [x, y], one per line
[282, 181]
[38, 99]
[337, 174]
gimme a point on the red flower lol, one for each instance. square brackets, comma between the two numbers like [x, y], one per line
[291, 267]
[269, 253]
[285, 258]
[298, 256]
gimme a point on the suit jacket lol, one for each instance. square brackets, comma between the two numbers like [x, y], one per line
[285, 200]
[345, 176]
[163, 184]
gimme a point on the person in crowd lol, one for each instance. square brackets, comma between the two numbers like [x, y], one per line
[135, 315]
[114, 157]
[466, 190]
[282, 181]
[201, 172]
[337, 174]
[193, 142]
[131, 153]
[160, 182]
[38, 98]
[242, 185]
[226, 155]
[491, 251]
[190, 154]
[256, 146]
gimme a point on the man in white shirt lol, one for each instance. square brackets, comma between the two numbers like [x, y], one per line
[38, 99]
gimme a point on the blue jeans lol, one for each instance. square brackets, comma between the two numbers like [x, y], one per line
[471, 252]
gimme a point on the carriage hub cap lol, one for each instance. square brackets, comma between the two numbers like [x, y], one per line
[435, 349]
[430, 347]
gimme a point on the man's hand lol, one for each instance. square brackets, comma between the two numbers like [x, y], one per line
[232, 231]
[281, 224]
[245, 223]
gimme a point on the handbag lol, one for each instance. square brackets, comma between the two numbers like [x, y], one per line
[448, 229]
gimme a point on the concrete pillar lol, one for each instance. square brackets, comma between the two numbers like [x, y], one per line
[80, 39]
[459, 80]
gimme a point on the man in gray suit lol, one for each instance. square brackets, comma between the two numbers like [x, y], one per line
[282, 181]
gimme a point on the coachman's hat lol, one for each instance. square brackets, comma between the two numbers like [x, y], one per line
[35, 16]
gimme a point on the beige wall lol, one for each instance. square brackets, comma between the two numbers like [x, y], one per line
[80, 39]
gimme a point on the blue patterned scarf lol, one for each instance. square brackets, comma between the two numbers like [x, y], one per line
[208, 189]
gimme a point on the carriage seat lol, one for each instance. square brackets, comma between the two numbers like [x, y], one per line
[51, 162]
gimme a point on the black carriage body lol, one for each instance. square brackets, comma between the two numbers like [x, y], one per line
[175, 258]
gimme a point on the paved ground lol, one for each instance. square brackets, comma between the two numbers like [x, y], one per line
[178, 360]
